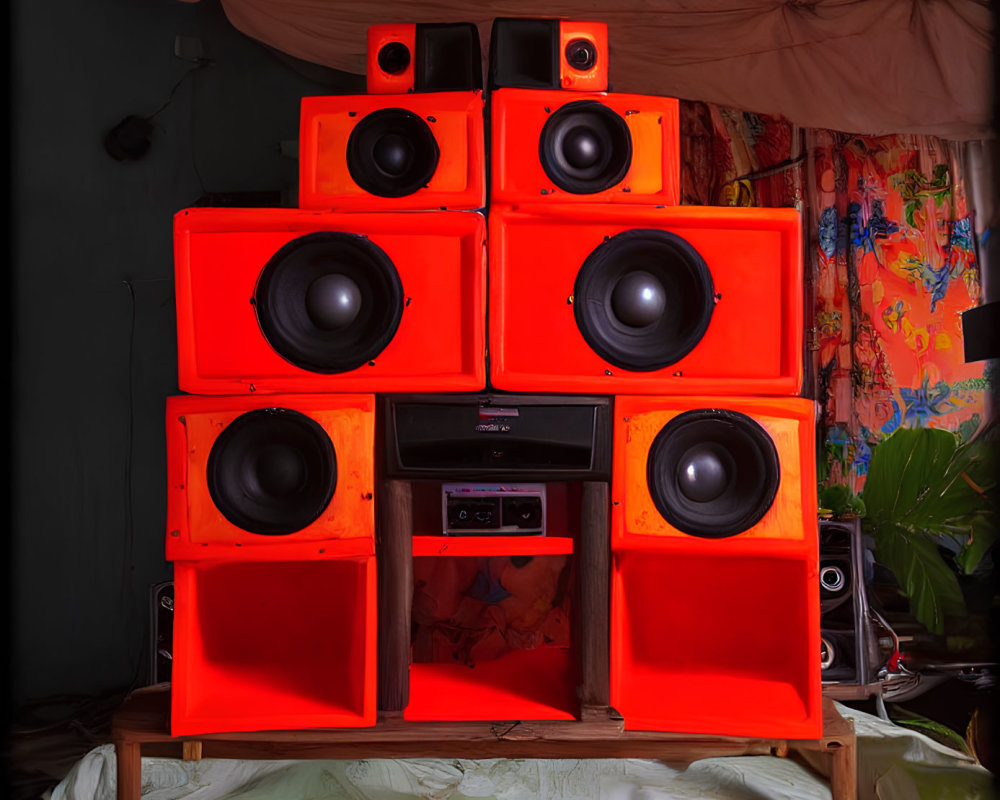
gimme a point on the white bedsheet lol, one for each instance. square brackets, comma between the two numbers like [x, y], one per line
[893, 762]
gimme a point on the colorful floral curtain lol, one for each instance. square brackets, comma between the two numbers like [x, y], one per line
[891, 265]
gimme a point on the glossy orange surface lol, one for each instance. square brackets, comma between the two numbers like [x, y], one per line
[273, 645]
[438, 346]
[378, 81]
[789, 526]
[516, 172]
[594, 79]
[717, 643]
[753, 344]
[197, 529]
[716, 636]
[455, 119]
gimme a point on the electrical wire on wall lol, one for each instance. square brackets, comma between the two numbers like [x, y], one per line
[128, 562]
[130, 139]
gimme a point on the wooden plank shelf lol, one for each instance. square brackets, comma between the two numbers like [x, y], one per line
[141, 727]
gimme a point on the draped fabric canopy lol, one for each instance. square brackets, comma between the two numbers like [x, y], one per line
[857, 66]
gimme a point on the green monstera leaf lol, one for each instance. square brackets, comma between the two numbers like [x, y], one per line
[923, 490]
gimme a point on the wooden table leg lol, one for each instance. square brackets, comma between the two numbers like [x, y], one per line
[191, 750]
[844, 772]
[129, 758]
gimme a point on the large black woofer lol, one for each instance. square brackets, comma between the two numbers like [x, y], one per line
[713, 473]
[643, 299]
[585, 147]
[392, 153]
[329, 302]
[272, 471]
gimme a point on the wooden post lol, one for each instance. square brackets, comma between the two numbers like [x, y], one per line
[129, 768]
[394, 561]
[593, 616]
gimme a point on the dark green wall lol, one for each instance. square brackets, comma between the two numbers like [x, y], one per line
[91, 296]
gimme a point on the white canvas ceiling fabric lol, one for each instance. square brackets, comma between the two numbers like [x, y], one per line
[858, 66]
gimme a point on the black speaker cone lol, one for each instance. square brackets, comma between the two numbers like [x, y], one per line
[585, 147]
[329, 302]
[712, 472]
[394, 58]
[581, 54]
[643, 299]
[272, 471]
[392, 153]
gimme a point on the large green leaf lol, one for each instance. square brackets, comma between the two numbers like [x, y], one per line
[924, 577]
[982, 536]
[922, 486]
[902, 468]
[938, 731]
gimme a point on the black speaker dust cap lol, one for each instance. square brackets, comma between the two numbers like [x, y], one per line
[448, 57]
[713, 473]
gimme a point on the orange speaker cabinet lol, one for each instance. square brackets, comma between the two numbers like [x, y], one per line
[423, 57]
[538, 53]
[715, 589]
[562, 147]
[273, 645]
[719, 643]
[396, 152]
[674, 300]
[715, 474]
[284, 300]
[270, 476]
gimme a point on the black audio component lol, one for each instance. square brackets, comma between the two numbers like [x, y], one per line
[497, 436]
[856, 641]
[483, 509]
[161, 626]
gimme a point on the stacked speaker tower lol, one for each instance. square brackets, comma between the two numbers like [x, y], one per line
[691, 318]
[643, 371]
[288, 322]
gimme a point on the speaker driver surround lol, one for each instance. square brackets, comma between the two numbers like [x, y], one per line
[712, 473]
[585, 147]
[643, 299]
[272, 471]
[329, 302]
[392, 153]
[581, 54]
[394, 58]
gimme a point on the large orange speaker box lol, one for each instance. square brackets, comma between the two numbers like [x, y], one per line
[415, 141]
[392, 152]
[533, 53]
[271, 529]
[284, 300]
[282, 475]
[568, 147]
[423, 57]
[715, 593]
[674, 300]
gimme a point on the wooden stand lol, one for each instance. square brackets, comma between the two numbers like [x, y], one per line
[141, 727]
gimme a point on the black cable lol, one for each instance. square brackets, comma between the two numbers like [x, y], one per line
[202, 62]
